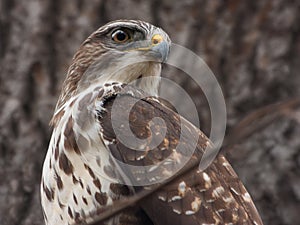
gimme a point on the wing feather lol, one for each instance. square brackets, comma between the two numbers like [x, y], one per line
[213, 196]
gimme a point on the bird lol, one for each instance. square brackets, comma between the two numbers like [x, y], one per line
[93, 162]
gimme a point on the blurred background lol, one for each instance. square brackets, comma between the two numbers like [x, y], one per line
[253, 48]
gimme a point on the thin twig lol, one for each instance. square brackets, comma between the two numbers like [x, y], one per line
[257, 120]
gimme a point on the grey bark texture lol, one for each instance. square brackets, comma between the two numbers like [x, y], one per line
[253, 48]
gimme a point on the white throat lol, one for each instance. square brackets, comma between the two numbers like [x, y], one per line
[143, 75]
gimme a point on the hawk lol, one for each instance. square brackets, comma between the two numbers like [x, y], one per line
[86, 166]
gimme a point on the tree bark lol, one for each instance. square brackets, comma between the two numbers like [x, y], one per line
[253, 48]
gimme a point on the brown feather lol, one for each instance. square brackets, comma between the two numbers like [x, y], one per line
[214, 196]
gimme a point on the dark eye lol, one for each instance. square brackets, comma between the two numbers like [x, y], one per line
[120, 36]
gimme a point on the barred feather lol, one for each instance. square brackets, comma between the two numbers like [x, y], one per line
[84, 167]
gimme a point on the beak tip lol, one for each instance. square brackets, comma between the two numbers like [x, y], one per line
[162, 49]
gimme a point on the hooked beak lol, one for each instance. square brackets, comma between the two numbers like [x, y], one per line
[159, 48]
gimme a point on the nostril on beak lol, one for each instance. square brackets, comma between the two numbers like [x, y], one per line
[156, 39]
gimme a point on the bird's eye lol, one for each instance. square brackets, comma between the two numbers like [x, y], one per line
[120, 36]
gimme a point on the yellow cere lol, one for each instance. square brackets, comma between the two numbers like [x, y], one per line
[156, 39]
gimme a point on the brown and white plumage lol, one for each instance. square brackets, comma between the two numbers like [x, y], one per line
[84, 171]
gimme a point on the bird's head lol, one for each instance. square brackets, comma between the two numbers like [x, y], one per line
[122, 51]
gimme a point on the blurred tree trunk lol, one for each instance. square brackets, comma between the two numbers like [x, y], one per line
[253, 47]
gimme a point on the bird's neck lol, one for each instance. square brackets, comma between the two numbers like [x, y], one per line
[82, 75]
[144, 75]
